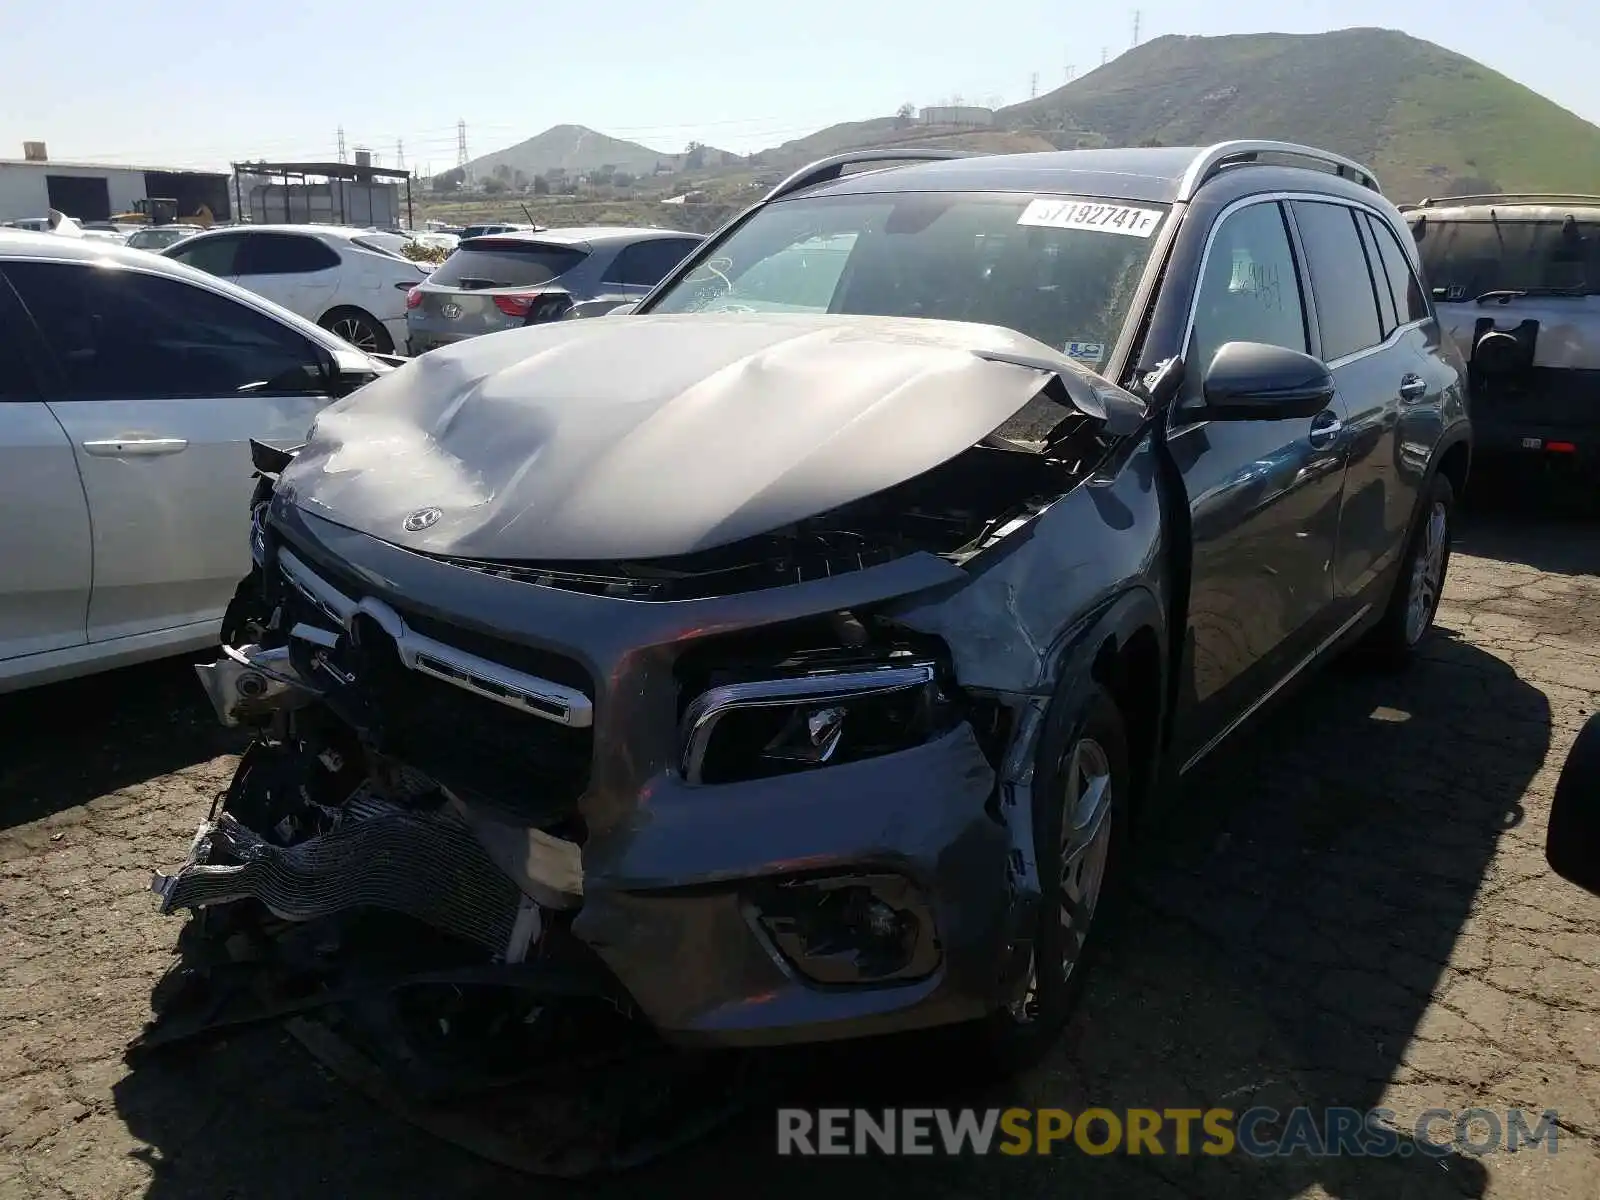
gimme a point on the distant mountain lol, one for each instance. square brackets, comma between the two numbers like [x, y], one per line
[577, 150]
[1428, 121]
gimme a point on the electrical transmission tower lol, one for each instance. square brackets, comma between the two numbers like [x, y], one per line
[341, 144]
[1136, 19]
[1033, 86]
[400, 153]
[1103, 54]
[461, 144]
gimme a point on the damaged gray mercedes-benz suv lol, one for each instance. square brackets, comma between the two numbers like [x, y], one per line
[794, 657]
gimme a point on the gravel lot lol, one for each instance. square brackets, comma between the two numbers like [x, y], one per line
[1352, 908]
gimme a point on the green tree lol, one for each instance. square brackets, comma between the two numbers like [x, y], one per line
[495, 186]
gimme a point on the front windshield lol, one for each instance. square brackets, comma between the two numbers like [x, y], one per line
[1061, 270]
[1466, 258]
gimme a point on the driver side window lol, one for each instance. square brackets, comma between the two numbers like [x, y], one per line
[1250, 290]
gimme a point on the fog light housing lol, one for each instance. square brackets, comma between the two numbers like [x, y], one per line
[850, 929]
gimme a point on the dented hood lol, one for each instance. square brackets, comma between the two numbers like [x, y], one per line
[650, 436]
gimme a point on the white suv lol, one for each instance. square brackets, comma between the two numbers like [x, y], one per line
[343, 279]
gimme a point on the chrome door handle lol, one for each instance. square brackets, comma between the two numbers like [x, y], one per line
[1325, 430]
[136, 447]
[1412, 386]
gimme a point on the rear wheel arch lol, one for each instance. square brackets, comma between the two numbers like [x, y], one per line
[1454, 462]
[339, 312]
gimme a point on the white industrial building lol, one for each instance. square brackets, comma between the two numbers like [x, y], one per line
[31, 186]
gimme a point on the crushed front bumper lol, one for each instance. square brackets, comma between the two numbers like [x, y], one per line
[866, 897]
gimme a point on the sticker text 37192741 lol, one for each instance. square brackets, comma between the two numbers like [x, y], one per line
[1087, 214]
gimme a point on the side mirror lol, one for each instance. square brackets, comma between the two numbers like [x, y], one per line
[1251, 381]
[1572, 841]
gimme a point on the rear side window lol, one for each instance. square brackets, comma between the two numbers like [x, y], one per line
[505, 262]
[213, 255]
[1409, 303]
[1387, 319]
[1347, 307]
[284, 254]
[124, 335]
[645, 264]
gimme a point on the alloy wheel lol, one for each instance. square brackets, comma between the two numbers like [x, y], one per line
[357, 333]
[1427, 573]
[1085, 851]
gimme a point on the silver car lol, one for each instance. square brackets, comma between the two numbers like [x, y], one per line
[1516, 281]
[508, 280]
[130, 389]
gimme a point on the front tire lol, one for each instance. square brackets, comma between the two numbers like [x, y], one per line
[1415, 600]
[1081, 798]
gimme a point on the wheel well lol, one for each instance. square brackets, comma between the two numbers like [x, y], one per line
[340, 310]
[1131, 672]
[1453, 466]
[327, 319]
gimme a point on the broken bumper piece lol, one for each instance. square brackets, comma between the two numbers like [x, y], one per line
[428, 865]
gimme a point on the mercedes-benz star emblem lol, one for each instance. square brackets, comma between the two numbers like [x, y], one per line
[421, 519]
[450, 311]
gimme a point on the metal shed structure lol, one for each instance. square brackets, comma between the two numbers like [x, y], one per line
[326, 193]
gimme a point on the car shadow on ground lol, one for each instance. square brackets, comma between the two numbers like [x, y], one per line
[68, 743]
[1284, 935]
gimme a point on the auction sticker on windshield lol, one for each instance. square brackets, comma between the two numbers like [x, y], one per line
[1084, 214]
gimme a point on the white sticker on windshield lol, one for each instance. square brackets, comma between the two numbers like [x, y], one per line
[1084, 214]
[1093, 353]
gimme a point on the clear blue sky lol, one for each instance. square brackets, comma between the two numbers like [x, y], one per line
[200, 85]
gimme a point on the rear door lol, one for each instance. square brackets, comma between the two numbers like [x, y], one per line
[294, 270]
[1378, 370]
[45, 550]
[159, 384]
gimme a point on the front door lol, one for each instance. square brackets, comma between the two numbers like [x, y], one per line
[1263, 495]
[44, 519]
[159, 384]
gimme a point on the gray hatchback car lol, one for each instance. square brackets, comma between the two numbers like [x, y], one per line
[508, 280]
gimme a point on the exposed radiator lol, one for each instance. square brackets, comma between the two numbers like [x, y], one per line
[427, 865]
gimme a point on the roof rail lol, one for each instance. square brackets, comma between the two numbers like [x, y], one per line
[1213, 159]
[1510, 197]
[826, 169]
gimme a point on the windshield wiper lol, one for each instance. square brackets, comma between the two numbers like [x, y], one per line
[1517, 293]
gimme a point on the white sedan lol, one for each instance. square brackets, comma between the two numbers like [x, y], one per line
[130, 389]
[346, 280]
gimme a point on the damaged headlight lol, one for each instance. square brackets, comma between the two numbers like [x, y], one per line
[765, 727]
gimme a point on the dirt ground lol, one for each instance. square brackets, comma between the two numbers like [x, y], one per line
[1351, 907]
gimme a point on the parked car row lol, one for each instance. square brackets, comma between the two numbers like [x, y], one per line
[130, 388]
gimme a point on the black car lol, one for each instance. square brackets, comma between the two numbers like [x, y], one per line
[800, 652]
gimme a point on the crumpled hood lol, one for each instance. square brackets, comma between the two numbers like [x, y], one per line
[650, 436]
